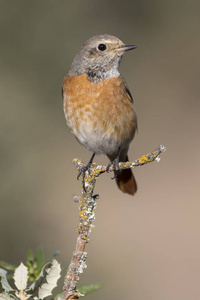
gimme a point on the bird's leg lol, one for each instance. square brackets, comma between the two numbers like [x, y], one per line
[115, 164]
[84, 169]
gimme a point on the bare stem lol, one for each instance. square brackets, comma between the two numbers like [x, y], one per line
[87, 204]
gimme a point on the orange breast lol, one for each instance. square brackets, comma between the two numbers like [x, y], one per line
[100, 115]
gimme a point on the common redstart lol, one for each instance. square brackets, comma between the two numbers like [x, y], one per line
[98, 105]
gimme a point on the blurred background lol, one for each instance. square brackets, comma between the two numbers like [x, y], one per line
[145, 247]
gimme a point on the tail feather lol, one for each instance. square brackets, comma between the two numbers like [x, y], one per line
[126, 181]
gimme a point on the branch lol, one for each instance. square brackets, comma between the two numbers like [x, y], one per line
[87, 204]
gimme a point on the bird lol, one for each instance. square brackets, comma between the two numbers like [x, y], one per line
[98, 105]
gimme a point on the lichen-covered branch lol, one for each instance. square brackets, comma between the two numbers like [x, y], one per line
[87, 204]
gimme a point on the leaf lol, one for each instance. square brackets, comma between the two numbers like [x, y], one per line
[53, 274]
[39, 257]
[52, 256]
[7, 266]
[6, 286]
[83, 289]
[40, 280]
[48, 277]
[21, 277]
[5, 297]
[30, 256]
[89, 288]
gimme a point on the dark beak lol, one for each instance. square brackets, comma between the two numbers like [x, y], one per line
[125, 48]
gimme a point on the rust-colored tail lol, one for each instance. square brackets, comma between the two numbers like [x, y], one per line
[126, 181]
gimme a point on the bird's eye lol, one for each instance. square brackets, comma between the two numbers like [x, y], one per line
[102, 47]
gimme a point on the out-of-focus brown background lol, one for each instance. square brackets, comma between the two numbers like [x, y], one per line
[146, 247]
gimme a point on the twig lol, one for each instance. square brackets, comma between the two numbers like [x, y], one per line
[87, 204]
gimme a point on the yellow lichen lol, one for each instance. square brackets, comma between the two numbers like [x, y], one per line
[147, 158]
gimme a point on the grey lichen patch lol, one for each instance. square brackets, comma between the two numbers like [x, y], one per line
[82, 263]
[76, 198]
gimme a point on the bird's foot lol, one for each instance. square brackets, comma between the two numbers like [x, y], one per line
[115, 164]
[83, 170]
